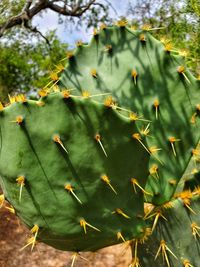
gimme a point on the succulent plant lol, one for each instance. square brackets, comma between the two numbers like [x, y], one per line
[62, 169]
[143, 76]
[148, 81]
[111, 155]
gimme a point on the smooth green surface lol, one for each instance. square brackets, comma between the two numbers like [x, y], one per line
[28, 149]
[157, 78]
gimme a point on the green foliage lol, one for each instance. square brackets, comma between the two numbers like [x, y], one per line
[26, 66]
[9, 8]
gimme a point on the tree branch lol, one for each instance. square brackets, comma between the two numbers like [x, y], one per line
[26, 14]
[29, 11]
[35, 30]
[27, 5]
[77, 11]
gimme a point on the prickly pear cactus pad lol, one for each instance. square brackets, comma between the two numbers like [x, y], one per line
[149, 80]
[73, 172]
[175, 241]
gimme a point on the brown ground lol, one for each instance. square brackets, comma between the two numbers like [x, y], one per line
[13, 236]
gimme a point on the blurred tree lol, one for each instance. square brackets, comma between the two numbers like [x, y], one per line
[25, 65]
[21, 12]
[180, 21]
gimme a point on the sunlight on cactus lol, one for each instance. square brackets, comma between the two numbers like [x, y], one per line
[110, 152]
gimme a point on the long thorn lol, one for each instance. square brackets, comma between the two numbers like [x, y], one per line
[136, 246]
[185, 76]
[20, 192]
[74, 256]
[83, 224]
[163, 248]
[135, 183]
[58, 140]
[107, 181]
[173, 149]
[98, 139]
[137, 136]
[76, 197]
[187, 206]
[120, 236]
[195, 230]
[20, 181]
[70, 189]
[2, 199]
[120, 212]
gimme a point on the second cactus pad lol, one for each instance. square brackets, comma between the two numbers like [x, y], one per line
[146, 77]
[72, 171]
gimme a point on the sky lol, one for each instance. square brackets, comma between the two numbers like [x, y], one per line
[50, 21]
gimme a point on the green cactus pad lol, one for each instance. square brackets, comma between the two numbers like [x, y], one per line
[65, 149]
[142, 75]
[191, 177]
[178, 234]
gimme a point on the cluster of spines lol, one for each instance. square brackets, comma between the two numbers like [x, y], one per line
[158, 213]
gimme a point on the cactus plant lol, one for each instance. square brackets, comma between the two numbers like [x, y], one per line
[144, 76]
[150, 81]
[84, 174]
[65, 175]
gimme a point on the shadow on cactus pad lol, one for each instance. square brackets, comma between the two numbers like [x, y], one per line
[67, 166]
